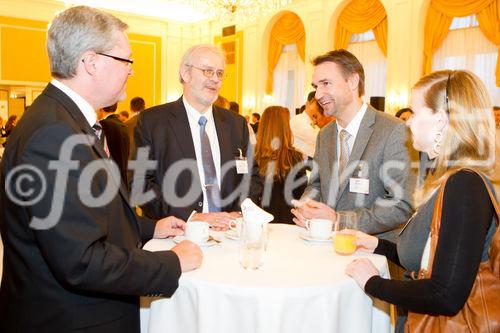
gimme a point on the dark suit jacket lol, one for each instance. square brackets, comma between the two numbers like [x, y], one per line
[118, 142]
[165, 130]
[255, 127]
[84, 271]
[130, 124]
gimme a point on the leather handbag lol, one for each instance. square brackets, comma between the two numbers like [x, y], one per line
[481, 312]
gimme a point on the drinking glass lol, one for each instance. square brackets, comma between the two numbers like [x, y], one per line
[252, 244]
[344, 243]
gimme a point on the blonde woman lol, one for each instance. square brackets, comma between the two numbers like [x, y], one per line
[453, 123]
[277, 161]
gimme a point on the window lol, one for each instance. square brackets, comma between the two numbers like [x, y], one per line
[365, 48]
[288, 80]
[363, 37]
[465, 47]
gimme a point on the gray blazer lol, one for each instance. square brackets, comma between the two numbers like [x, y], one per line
[379, 154]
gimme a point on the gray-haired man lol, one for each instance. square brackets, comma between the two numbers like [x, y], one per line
[73, 259]
[200, 140]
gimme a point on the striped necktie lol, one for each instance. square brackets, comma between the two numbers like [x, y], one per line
[344, 152]
[102, 138]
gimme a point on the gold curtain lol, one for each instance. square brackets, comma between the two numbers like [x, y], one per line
[440, 16]
[287, 30]
[360, 16]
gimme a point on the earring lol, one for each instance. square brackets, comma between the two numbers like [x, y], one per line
[437, 142]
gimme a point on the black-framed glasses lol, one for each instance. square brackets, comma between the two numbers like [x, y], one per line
[129, 62]
[209, 72]
[446, 92]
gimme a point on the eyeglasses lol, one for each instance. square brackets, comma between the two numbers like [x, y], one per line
[446, 93]
[129, 62]
[209, 73]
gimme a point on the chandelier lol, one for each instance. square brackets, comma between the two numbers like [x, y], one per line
[237, 11]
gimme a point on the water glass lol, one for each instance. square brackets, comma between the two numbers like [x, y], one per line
[252, 245]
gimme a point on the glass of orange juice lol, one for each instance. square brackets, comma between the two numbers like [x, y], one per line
[344, 243]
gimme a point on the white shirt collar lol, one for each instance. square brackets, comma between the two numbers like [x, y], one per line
[353, 127]
[194, 114]
[84, 106]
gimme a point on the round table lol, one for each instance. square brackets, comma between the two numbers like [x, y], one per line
[301, 287]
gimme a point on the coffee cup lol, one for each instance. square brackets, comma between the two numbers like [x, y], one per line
[319, 228]
[197, 232]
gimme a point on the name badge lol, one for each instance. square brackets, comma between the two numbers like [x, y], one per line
[359, 185]
[241, 164]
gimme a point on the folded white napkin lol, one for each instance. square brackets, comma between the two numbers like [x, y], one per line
[253, 213]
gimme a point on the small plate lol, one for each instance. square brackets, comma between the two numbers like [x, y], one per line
[232, 234]
[210, 242]
[305, 236]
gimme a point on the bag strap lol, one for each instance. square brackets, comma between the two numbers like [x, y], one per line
[436, 220]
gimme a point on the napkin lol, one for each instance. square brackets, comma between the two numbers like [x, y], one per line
[253, 213]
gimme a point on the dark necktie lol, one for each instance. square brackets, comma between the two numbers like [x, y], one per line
[211, 183]
[102, 138]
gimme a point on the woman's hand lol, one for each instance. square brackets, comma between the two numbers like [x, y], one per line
[361, 270]
[364, 242]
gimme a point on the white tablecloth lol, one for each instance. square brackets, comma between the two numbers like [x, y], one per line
[300, 288]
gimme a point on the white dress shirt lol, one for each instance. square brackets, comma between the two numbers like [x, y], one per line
[84, 106]
[304, 134]
[193, 117]
[252, 138]
[352, 128]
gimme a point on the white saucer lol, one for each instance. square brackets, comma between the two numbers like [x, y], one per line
[210, 242]
[305, 236]
[232, 234]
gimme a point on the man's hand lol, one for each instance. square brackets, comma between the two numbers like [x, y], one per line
[311, 209]
[168, 227]
[190, 255]
[218, 221]
[299, 219]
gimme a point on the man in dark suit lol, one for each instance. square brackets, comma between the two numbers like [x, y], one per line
[361, 162]
[201, 149]
[117, 139]
[72, 242]
[255, 122]
[137, 105]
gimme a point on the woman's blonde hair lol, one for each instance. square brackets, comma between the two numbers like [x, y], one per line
[469, 140]
[274, 143]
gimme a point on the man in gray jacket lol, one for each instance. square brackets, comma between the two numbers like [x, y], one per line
[361, 162]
